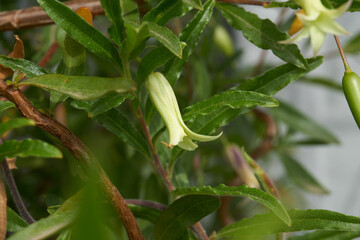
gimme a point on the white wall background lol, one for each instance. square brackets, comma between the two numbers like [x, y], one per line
[337, 167]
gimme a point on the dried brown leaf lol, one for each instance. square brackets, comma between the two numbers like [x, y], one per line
[12, 163]
[18, 52]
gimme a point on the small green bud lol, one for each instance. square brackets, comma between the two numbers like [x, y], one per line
[223, 40]
[351, 88]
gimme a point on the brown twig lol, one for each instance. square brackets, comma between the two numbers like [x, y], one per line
[164, 175]
[270, 133]
[79, 150]
[19, 203]
[3, 204]
[48, 55]
[35, 16]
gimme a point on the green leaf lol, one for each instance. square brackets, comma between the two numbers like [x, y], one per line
[153, 60]
[353, 46]
[190, 35]
[129, 10]
[302, 220]
[118, 124]
[136, 35]
[324, 82]
[207, 125]
[276, 79]
[146, 213]
[102, 105]
[113, 11]
[50, 225]
[15, 123]
[327, 235]
[80, 87]
[301, 177]
[6, 105]
[31, 69]
[166, 10]
[183, 213]
[65, 235]
[194, 3]
[254, 194]
[262, 33]
[233, 99]
[80, 30]
[166, 37]
[297, 120]
[14, 221]
[28, 147]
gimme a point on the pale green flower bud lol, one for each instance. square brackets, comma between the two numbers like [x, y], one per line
[318, 21]
[223, 40]
[163, 97]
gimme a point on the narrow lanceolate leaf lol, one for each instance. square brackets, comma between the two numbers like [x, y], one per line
[297, 120]
[80, 30]
[190, 35]
[117, 123]
[166, 10]
[183, 213]
[327, 235]
[302, 220]
[233, 99]
[102, 105]
[254, 194]
[114, 13]
[166, 37]
[80, 87]
[262, 33]
[27, 148]
[15, 123]
[352, 46]
[194, 3]
[14, 221]
[5, 105]
[50, 225]
[301, 177]
[146, 213]
[153, 60]
[134, 43]
[31, 69]
[276, 79]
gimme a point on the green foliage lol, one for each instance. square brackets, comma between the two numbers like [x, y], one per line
[302, 220]
[28, 147]
[103, 102]
[80, 87]
[183, 213]
[244, 191]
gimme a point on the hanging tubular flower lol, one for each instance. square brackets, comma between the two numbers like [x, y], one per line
[163, 97]
[318, 21]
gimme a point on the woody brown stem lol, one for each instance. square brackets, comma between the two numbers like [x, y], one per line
[79, 150]
[35, 16]
[270, 133]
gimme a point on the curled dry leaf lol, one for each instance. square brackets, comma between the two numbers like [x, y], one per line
[12, 163]
[18, 52]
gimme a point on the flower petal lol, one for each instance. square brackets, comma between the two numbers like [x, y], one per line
[187, 144]
[317, 38]
[303, 33]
